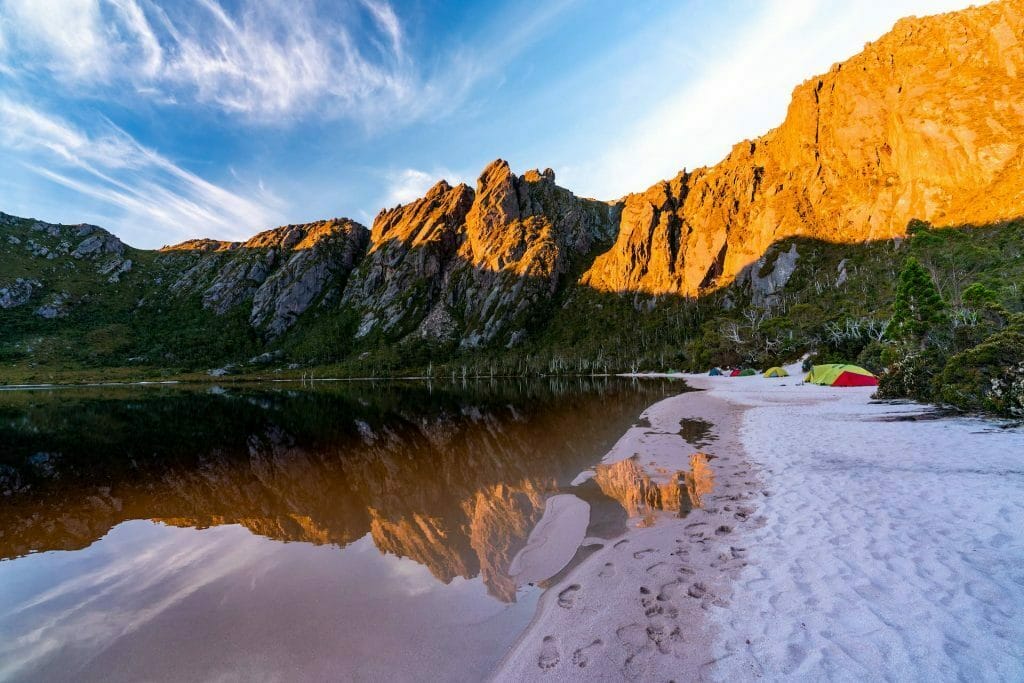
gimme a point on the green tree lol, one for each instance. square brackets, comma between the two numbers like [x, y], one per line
[918, 308]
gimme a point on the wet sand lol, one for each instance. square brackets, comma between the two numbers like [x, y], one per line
[636, 608]
[843, 539]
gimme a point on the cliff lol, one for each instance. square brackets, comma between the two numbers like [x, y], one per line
[927, 122]
[475, 265]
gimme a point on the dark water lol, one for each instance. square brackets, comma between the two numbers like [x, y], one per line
[350, 531]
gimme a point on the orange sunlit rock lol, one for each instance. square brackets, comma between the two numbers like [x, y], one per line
[927, 122]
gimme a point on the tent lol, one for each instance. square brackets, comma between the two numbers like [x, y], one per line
[776, 372]
[735, 373]
[715, 372]
[747, 372]
[841, 375]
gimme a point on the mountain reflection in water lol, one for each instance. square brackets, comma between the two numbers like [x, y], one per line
[641, 494]
[453, 478]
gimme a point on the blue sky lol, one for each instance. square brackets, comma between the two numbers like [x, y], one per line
[164, 121]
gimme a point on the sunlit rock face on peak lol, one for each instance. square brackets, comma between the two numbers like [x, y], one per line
[927, 122]
[474, 267]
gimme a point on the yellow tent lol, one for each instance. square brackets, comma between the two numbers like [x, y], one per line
[776, 372]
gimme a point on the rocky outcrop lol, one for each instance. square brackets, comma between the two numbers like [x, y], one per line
[927, 122]
[316, 267]
[17, 293]
[56, 307]
[769, 275]
[524, 235]
[98, 242]
[411, 250]
[474, 266]
[279, 273]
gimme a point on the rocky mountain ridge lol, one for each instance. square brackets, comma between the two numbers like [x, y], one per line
[927, 122]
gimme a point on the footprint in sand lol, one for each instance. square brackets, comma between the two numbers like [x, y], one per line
[999, 540]
[723, 530]
[621, 543]
[567, 598]
[669, 592]
[663, 638]
[581, 657]
[549, 654]
[632, 636]
[697, 590]
[607, 570]
[641, 554]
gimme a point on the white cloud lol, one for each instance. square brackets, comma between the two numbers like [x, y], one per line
[68, 33]
[269, 60]
[144, 188]
[409, 184]
[385, 17]
[741, 91]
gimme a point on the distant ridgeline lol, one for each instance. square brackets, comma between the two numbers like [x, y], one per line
[794, 241]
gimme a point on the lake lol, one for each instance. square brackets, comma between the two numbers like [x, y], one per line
[356, 531]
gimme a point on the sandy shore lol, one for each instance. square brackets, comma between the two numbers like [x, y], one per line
[843, 539]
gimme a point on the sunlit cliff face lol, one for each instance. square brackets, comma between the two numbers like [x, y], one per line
[927, 123]
[452, 480]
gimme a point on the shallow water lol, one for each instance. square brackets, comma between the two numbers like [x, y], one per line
[350, 531]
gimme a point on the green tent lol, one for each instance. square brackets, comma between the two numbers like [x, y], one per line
[776, 372]
[841, 375]
[747, 372]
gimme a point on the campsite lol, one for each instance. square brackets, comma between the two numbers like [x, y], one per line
[428, 341]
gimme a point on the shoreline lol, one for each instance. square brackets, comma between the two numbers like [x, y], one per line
[636, 608]
[861, 539]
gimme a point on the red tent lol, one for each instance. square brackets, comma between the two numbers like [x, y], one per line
[841, 375]
[853, 379]
[735, 373]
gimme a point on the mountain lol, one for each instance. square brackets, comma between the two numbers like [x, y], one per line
[925, 124]
[475, 265]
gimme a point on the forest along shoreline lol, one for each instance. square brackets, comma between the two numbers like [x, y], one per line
[843, 537]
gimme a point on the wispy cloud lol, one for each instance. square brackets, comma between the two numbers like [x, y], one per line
[408, 184]
[268, 60]
[138, 184]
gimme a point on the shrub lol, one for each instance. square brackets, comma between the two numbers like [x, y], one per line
[870, 357]
[989, 376]
[911, 375]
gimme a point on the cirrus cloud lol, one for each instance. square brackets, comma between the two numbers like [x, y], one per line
[136, 184]
[268, 61]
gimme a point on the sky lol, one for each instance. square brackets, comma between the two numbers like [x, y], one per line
[165, 121]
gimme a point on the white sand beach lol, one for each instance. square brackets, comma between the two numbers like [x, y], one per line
[843, 539]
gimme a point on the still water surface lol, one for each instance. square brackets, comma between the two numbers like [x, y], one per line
[351, 531]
